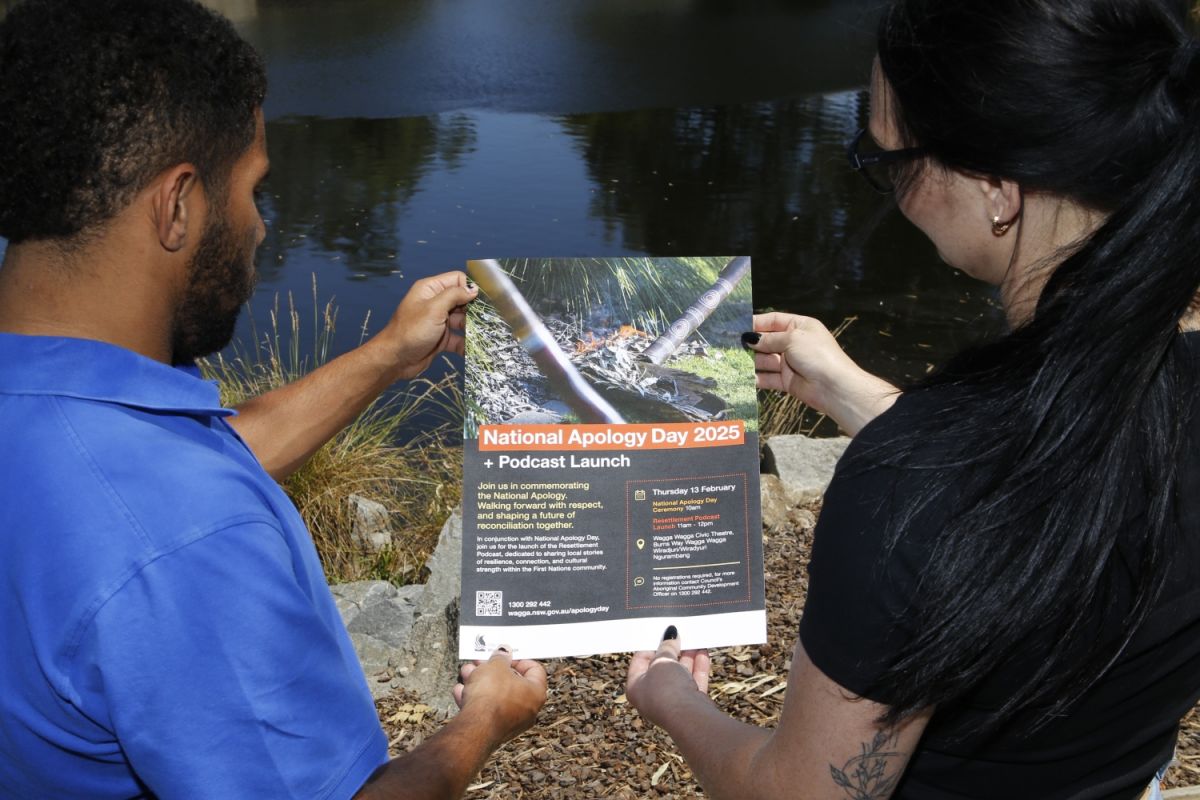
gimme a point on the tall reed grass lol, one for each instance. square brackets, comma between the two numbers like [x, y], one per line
[392, 453]
[781, 413]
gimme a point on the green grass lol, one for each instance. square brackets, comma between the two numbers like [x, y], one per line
[483, 329]
[728, 366]
[416, 477]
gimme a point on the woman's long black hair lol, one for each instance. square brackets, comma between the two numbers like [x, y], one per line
[1065, 431]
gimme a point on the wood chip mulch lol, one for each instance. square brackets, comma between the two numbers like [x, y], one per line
[589, 743]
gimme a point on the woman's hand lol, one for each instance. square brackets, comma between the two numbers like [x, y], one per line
[656, 680]
[799, 355]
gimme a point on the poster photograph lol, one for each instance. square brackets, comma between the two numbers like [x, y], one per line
[610, 457]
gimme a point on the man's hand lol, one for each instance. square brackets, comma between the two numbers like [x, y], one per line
[499, 699]
[286, 426]
[656, 680]
[509, 693]
[799, 355]
[428, 321]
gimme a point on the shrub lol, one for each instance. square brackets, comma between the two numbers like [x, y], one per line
[416, 476]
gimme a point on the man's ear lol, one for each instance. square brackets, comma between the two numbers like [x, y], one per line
[176, 206]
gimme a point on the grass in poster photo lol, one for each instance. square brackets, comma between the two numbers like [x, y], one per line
[603, 313]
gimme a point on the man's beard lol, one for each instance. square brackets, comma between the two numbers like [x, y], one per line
[220, 280]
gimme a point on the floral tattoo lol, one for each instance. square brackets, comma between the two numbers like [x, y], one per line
[873, 773]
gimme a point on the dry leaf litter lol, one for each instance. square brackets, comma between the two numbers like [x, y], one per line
[589, 743]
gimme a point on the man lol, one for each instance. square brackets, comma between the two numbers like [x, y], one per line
[165, 628]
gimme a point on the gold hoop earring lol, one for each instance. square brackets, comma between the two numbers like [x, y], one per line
[1000, 228]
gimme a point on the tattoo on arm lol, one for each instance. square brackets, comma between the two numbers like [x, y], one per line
[873, 773]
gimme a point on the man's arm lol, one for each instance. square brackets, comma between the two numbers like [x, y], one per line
[828, 745]
[286, 426]
[499, 699]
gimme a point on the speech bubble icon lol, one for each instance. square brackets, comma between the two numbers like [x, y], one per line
[640, 543]
[638, 581]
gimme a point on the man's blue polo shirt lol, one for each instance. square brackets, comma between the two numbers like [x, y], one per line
[165, 627]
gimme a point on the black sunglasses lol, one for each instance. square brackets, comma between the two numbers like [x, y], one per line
[874, 166]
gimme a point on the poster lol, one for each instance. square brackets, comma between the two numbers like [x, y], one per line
[610, 478]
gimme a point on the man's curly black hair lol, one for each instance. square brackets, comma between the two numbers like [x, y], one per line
[99, 96]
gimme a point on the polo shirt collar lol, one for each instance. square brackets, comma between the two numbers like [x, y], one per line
[92, 370]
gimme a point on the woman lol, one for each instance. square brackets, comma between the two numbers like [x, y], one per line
[1004, 596]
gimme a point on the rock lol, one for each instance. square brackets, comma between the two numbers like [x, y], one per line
[407, 637]
[378, 616]
[363, 593]
[347, 608]
[775, 503]
[427, 663]
[803, 518]
[558, 408]
[804, 465]
[535, 417]
[388, 621]
[369, 526]
[373, 654]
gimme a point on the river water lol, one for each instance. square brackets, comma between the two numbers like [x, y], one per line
[407, 136]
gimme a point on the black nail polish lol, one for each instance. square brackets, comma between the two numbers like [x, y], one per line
[750, 338]
[671, 634]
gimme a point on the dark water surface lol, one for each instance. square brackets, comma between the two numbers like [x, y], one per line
[407, 136]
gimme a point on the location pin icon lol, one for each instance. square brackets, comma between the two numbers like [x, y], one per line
[641, 543]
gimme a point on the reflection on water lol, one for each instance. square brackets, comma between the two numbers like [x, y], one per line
[771, 179]
[340, 185]
[393, 58]
[370, 205]
[399, 150]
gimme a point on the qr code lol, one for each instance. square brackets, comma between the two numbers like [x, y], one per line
[489, 604]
